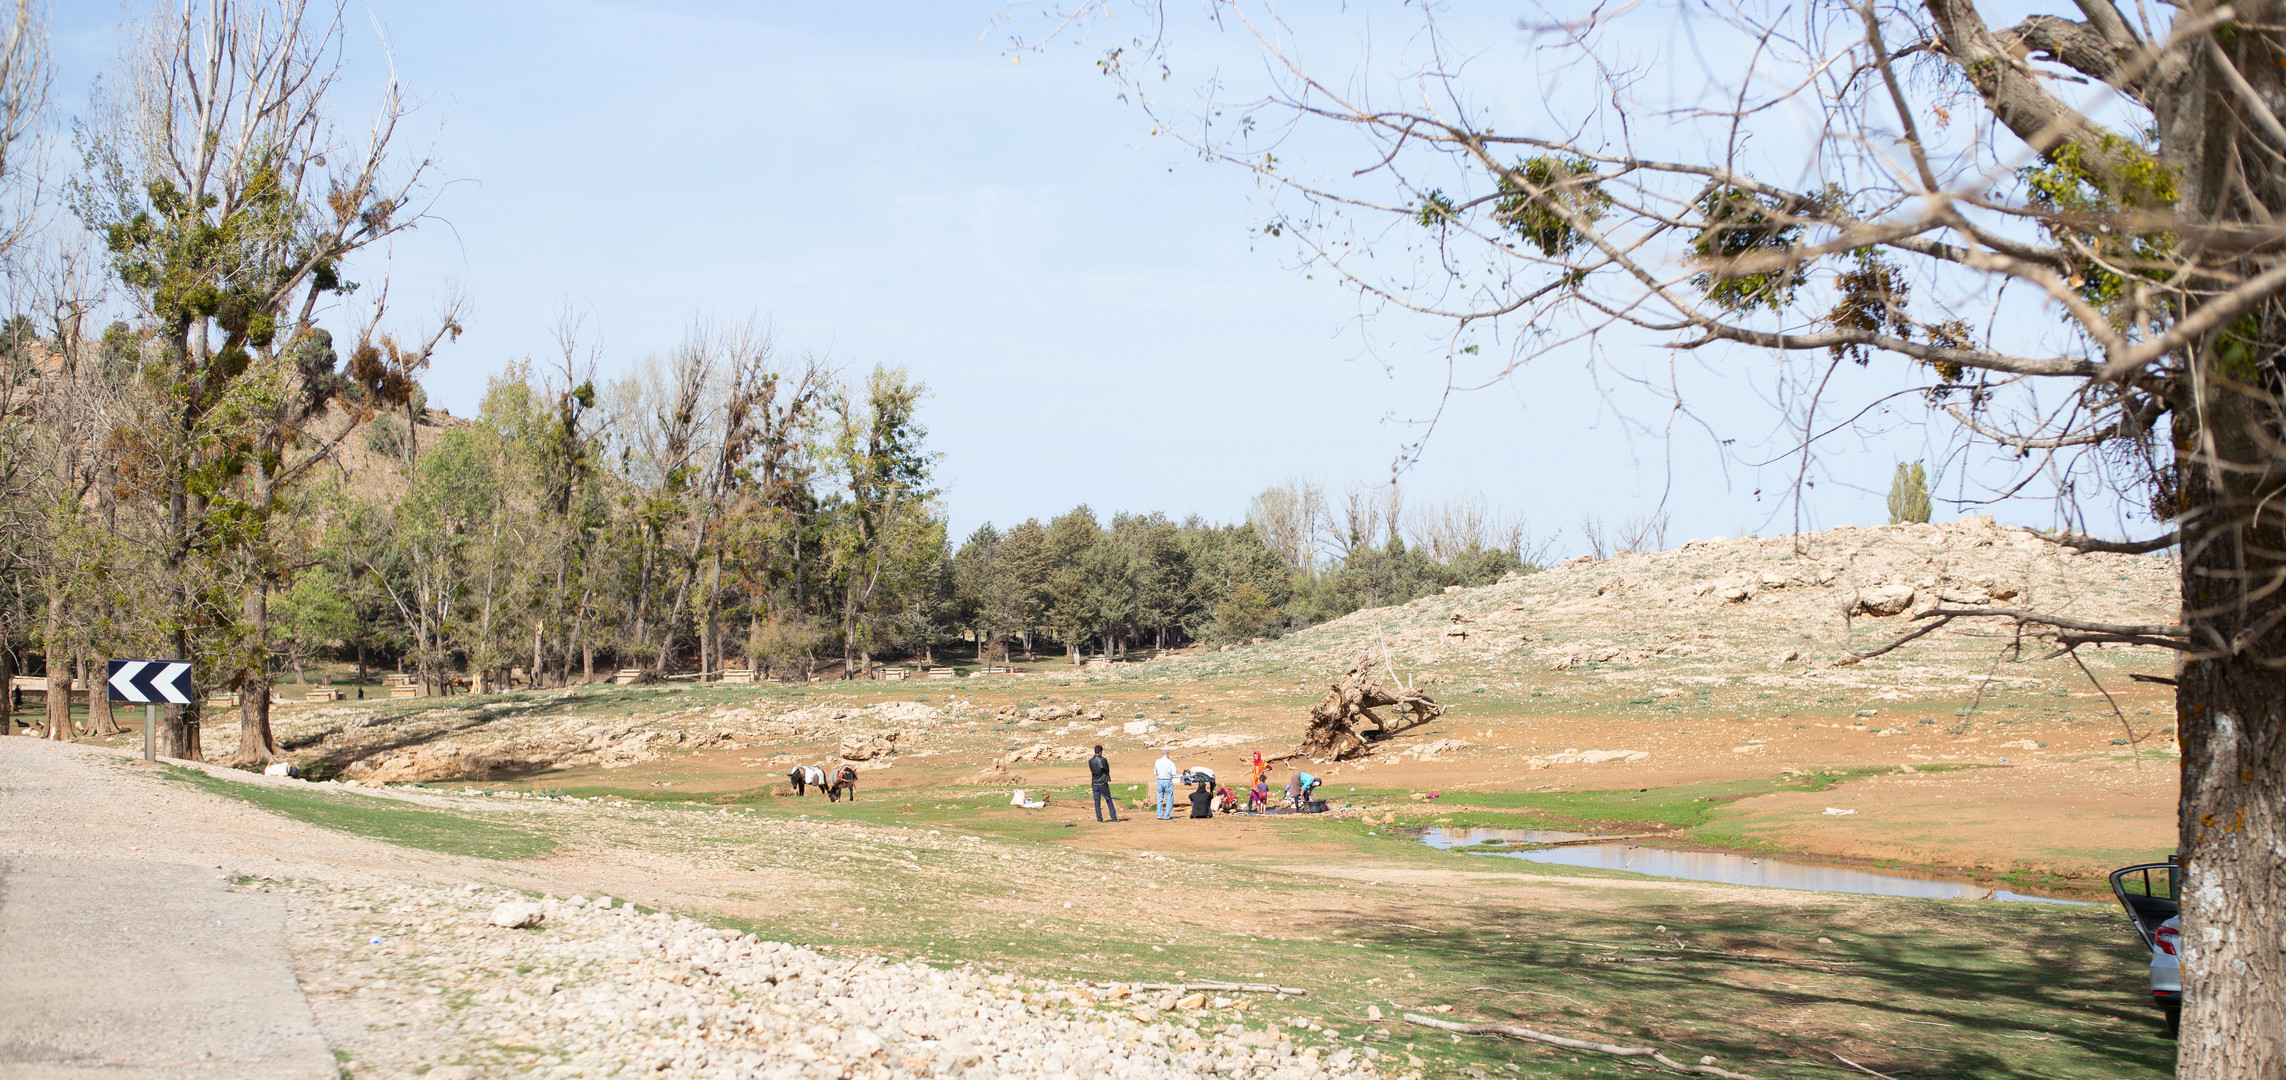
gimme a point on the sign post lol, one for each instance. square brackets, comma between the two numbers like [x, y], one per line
[150, 683]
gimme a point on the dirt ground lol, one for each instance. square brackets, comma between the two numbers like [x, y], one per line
[2051, 795]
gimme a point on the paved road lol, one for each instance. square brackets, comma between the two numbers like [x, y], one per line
[126, 964]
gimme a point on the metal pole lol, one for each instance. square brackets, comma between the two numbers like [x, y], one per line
[150, 728]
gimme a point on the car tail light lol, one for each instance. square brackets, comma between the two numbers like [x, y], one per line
[2166, 936]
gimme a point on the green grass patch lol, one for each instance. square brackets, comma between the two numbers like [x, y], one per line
[1685, 807]
[381, 819]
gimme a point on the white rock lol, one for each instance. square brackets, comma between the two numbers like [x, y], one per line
[517, 914]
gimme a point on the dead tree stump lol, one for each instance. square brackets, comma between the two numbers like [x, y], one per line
[1333, 734]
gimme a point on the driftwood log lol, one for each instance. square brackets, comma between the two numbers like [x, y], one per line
[1334, 734]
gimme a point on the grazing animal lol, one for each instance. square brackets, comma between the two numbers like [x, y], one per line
[844, 783]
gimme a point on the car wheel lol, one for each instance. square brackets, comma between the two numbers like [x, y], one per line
[2174, 1022]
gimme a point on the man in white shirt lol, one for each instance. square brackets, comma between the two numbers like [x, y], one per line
[1164, 771]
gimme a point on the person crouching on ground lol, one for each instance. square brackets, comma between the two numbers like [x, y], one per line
[1099, 780]
[1202, 802]
[1305, 785]
[1225, 802]
[1163, 770]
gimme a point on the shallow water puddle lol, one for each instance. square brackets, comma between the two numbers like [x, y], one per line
[1713, 866]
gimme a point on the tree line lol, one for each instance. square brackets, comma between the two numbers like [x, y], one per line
[1144, 578]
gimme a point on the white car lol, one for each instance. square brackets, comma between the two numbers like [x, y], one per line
[2152, 893]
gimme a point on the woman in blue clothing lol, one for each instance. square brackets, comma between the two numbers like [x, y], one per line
[1303, 785]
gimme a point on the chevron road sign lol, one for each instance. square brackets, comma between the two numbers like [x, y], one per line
[151, 682]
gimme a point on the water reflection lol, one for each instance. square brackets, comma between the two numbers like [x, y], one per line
[1716, 866]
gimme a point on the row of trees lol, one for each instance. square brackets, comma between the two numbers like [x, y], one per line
[716, 504]
[1291, 564]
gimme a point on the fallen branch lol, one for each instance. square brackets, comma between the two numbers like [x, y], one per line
[1216, 987]
[2162, 680]
[1515, 1032]
[1861, 1068]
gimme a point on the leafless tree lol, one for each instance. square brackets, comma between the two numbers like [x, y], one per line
[1450, 527]
[1369, 517]
[1289, 518]
[2068, 228]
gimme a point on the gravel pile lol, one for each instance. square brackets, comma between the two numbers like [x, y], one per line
[457, 984]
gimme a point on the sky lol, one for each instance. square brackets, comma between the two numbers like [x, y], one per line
[1096, 311]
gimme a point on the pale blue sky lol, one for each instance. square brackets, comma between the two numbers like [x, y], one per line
[1094, 308]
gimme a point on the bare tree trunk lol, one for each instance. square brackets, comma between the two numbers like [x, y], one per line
[256, 745]
[587, 663]
[714, 619]
[643, 599]
[534, 677]
[178, 724]
[2234, 754]
[7, 688]
[706, 645]
[59, 688]
[99, 718]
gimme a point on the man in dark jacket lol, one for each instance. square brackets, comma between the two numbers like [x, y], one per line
[1099, 778]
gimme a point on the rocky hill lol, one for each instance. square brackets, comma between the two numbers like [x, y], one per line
[1778, 611]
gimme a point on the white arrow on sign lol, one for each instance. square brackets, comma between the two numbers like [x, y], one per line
[123, 686]
[174, 683]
